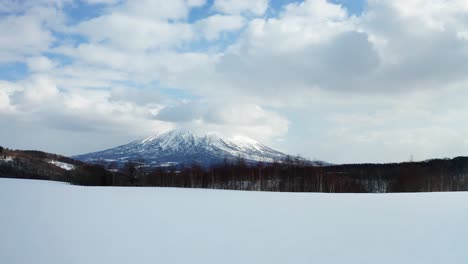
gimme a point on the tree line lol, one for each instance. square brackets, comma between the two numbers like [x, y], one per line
[297, 175]
[289, 175]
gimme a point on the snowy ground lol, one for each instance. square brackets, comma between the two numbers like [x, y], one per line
[63, 165]
[48, 222]
[5, 159]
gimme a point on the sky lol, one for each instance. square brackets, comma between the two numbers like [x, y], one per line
[341, 81]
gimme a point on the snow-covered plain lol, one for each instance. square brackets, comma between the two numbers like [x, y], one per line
[49, 222]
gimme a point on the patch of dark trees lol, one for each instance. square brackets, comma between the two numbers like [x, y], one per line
[297, 176]
[31, 164]
[290, 175]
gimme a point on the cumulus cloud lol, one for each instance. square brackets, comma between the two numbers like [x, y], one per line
[415, 52]
[4, 102]
[229, 119]
[40, 64]
[254, 7]
[39, 98]
[26, 28]
[212, 26]
[132, 32]
[308, 72]
[317, 45]
[155, 9]
[22, 35]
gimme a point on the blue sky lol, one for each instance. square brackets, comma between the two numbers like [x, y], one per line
[337, 80]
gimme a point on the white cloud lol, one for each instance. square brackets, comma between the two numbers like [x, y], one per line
[214, 25]
[229, 118]
[135, 33]
[39, 101]
[27, 27]
[155, 9]
[436, 15]
[103, 63]
[22, 35]
[4, 102]
[15, 6]
[37, 91]
[324, 79]
[254, 7]
[7, 90]
[317, 10]
[196, 3]
[40, 64]
[316, 45]
[383, 128]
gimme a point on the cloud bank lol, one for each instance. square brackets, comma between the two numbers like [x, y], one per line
[307, 77]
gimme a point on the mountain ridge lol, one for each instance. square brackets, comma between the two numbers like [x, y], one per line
[181, 147]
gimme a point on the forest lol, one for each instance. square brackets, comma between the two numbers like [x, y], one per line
[298, 176]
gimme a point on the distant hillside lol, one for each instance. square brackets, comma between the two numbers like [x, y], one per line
[32, 164]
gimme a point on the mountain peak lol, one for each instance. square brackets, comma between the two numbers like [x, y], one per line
[185, 147]
[177, 135]
[169, 135]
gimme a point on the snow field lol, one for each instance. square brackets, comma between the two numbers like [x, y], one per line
[50, 222]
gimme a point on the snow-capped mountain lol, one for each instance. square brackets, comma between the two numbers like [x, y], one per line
[179, 147]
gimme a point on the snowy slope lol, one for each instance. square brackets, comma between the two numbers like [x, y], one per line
[63, 165]
[54, 223]
[183, 147]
